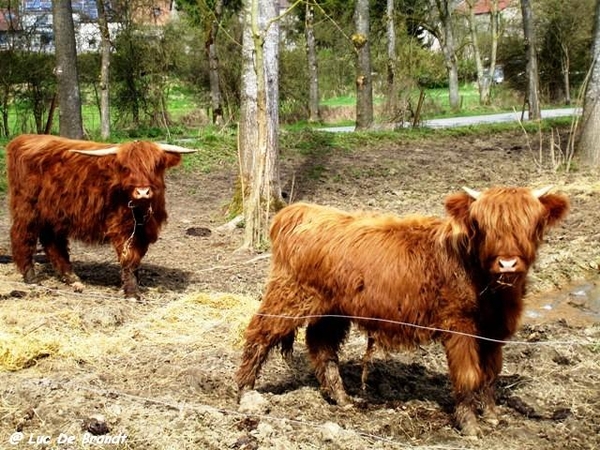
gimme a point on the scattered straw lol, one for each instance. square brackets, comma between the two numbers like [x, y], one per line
[84, 329]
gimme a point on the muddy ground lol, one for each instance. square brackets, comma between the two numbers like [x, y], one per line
[159, 374]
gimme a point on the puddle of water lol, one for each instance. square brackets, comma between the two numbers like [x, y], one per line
[578, 304]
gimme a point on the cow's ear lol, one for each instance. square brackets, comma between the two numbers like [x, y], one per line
[457, 205]
[557, 207]
[171, 159]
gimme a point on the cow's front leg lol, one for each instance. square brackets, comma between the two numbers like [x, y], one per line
[491, 363]
[130, 256]
[466, 376]
[130, 283]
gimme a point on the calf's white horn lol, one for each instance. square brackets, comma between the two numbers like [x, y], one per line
[99, 152]
[472, 192]
[541, 191]
[175, 148]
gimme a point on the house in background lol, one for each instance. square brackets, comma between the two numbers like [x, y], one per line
[31, 26]
[509, 13]
[9, 27]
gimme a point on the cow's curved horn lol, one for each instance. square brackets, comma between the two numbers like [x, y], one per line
[472, 192]
[99, 152]
[176, 148]
[541, 191]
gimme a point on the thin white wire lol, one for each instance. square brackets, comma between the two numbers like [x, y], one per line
[316, 316]
[421, 327]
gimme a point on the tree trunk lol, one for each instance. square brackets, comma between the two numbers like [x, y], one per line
[481, 76]
[105, 45]
[446, 37]
[484, 79]
[392, 89]
[565, 61]
[589, 142]
[259, 151]
[213, 64]
[364, 81]
[69, 98]
[533, 90]
[5, 107]
[313, 73]
[494, 18]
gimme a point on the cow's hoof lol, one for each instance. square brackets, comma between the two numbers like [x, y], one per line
[136, 297]
[343, 400]
[29, 276]
[77, 286]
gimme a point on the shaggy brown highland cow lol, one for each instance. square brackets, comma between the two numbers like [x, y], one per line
[464, 274]
[94, 192]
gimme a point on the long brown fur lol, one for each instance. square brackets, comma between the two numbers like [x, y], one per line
[442, 273]
[56, 195]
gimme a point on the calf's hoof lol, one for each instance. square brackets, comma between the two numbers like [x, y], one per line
[466, 421]
[490, 417]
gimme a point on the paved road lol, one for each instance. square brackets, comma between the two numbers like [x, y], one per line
[475, 120]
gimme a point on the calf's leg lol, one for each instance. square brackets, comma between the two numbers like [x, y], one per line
[466, 376]
[491, 363]
[324, 338]
[275, 323]
[366, 360]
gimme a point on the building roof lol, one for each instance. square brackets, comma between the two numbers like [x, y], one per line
[6, 17]
[484, 6]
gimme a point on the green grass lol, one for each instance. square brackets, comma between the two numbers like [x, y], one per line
[216, 148]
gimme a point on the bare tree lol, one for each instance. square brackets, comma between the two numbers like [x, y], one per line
[442, 25]
[392, 83]
[213, 63]
[364, 81]
[313, 73]
[484, 75]
[259, 121]
[589, 142]
[533, 83]
[105, 46]
[69, 97]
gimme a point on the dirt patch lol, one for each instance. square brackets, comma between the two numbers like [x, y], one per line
[161, 372]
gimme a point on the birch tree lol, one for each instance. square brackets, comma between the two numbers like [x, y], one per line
[392, 83]
[259, 121]
[105, 46]
[364, 81]
[442, 25]
[68, 94]
[484, 75]
[313, 72]
[589, 142]
[531, 71]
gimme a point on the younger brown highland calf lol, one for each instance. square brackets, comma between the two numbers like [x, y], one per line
[465, 273]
